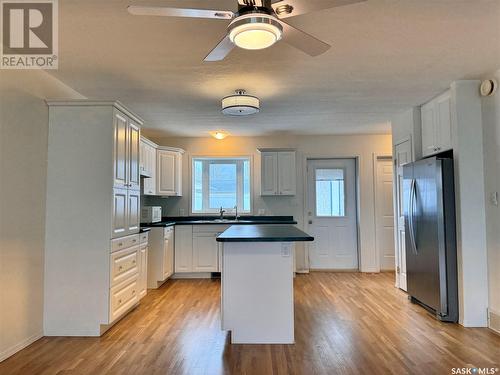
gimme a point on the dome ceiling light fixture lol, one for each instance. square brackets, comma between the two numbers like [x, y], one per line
[219, 134]
[240, 104]
[257, 24]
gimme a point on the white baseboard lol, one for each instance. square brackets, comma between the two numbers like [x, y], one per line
[192, 275]
[19, 346]
[494, 320]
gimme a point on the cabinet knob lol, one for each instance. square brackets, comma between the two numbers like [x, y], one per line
[119, 301]
[134, 261]
[120, 268]
[134, 240]
[133, 292]
[120, 243]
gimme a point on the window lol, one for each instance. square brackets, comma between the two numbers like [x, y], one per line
[221, 182]
[330, 194]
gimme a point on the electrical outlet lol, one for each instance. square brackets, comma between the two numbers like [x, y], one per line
[262, 211]
[182, 212]
[494, 198]
[286, 249]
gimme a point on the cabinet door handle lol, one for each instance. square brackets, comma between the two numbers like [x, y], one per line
[120, 244]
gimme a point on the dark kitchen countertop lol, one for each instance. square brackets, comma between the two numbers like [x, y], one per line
[144, 229]
[263, 233]
[213, 220]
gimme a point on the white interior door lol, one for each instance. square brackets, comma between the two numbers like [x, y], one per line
[402, 156]
[332, 218]
[384, 214]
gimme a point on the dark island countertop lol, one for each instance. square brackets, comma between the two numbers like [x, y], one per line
[211, 220]
[263, 233]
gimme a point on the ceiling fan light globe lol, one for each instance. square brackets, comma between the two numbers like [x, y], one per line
[255, 32]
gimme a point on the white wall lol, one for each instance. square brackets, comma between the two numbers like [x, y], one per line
[491, 135]
[362, 146]
[23, 167]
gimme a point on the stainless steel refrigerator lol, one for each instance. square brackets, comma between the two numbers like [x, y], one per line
[431, 255]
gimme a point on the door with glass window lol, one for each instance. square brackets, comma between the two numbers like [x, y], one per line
[332, 214]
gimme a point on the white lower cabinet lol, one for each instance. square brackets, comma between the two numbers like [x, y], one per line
[123, 264]
[205, 256]
[142, 258]
[196, 248]
[125, 273]
[160, 256]
[122, 297]
[183, 248]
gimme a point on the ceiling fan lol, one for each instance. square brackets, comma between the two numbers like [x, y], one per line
[257, 24]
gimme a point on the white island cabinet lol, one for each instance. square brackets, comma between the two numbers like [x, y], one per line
[92, 243]
[257, 282]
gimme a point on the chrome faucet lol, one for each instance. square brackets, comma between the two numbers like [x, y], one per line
[236, 212]
[221, 213]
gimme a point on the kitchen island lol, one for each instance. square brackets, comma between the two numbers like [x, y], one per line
[257, 282]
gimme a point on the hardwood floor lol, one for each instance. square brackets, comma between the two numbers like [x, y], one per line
[346, 323]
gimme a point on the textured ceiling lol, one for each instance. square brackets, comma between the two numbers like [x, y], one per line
[387, 56]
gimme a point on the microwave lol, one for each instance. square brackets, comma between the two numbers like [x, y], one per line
[151, 214]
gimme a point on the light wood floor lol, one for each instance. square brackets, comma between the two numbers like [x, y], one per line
[346, 323]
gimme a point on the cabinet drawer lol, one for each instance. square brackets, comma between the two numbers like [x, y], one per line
[122, 297]
[124, 242]
[210, 228]
[144, 237]
[123, 264]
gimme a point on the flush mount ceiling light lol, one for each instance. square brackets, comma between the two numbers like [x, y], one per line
[255, 31]
[219, 134]
[240, 104]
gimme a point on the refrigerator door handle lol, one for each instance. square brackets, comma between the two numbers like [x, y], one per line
[411, 207]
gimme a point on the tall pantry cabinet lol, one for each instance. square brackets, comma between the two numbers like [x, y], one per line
[92, 217]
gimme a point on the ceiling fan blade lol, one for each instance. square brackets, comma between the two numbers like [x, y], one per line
[303, 41]
[291, 8]
[179, 12]
[221, 50]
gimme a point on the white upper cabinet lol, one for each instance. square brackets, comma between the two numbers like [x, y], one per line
[169, 172]
[286, 173]
[125, 152]
[278, 172]
[119, 226]
[120, 149]
[437, 134]
[133, 155]
[148, 166]
[133, 209]
[269, 173]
